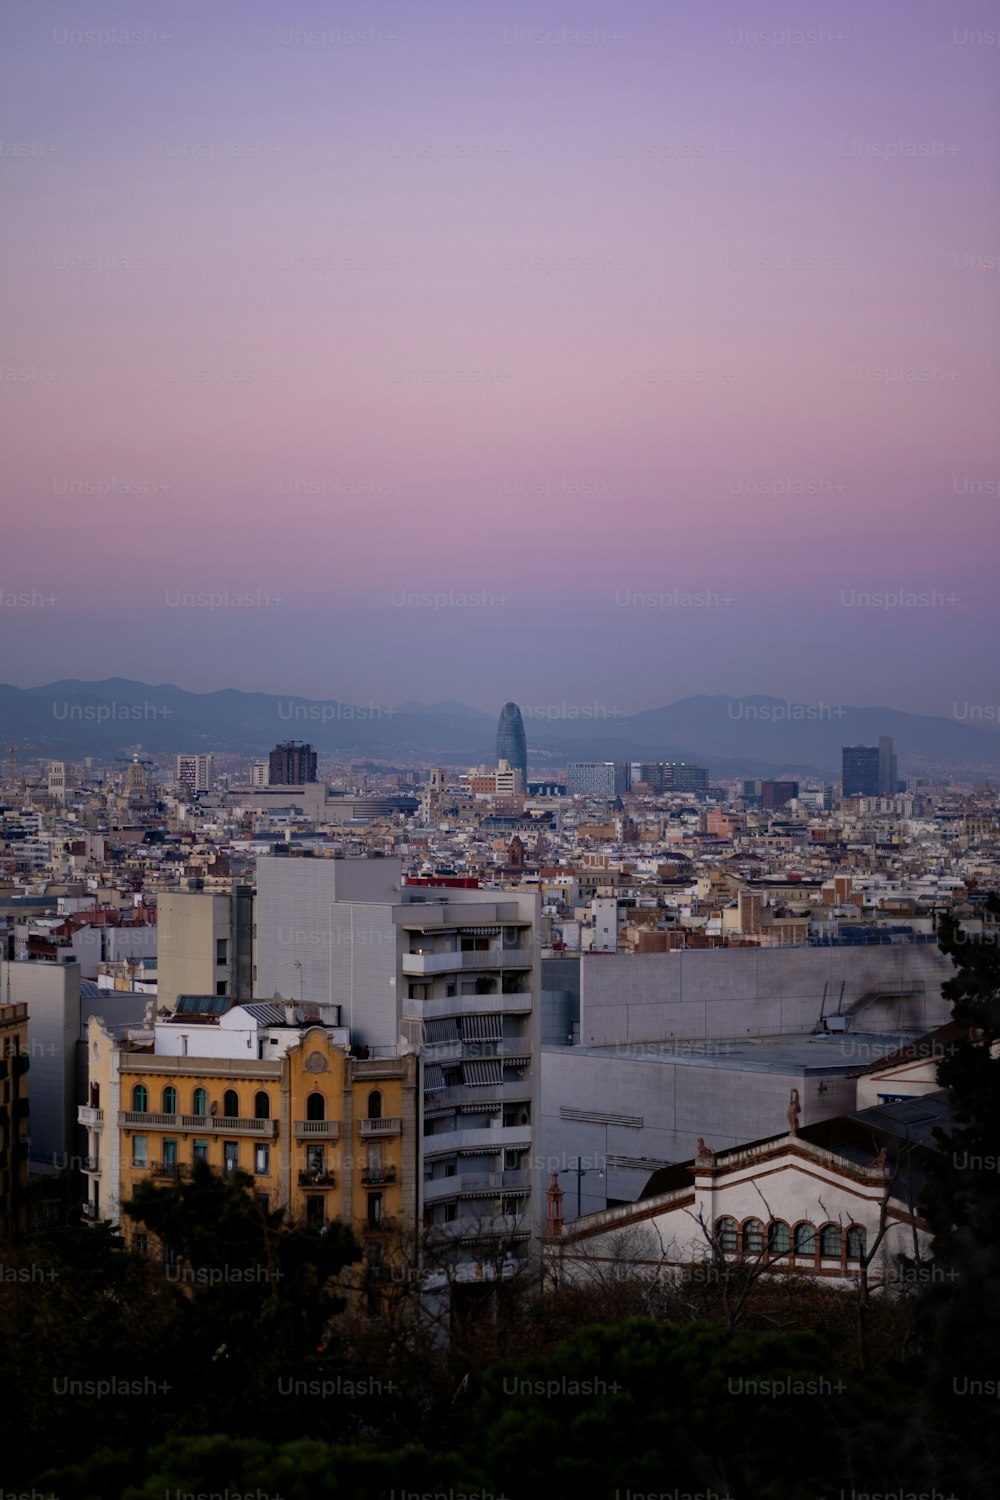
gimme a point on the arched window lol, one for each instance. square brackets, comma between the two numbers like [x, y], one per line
[805, 1239]
[726, 1232]
[315, 1107]
[231, 1104]
[169, 1100]
[753, 1237]
[829, 1241]
[262, 1106]
[778, 1238]
[199, 1102]
[140, 1098]
[857, 1242]
[374, 1105]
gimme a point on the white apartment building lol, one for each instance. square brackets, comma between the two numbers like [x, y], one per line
[454, 971]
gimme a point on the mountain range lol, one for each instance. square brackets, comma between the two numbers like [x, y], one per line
[752, 736]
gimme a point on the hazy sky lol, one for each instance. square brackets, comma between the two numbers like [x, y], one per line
[564, 353]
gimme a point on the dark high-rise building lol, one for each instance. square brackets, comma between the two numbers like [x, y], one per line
[776, 794]
[860, 770]
[886, 767]
[681, 776]
[512, 744]
[292, 764]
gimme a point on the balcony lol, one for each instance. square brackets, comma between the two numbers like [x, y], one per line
[323, 1130]
[487, 1093]
[422, 965]
[169, 1170]
[143, 1120]
[512, 1136]
[313, 1177]
[389, 1125]
[486, 1185]
[93, 1118]
[376, 1177]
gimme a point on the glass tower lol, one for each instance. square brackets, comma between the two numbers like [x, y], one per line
[512, 745]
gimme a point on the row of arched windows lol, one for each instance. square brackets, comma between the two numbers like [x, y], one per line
[199, 1102]
[315, 1103]
[750, 1237]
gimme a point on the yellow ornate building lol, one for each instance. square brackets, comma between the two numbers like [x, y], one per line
[323, 1133]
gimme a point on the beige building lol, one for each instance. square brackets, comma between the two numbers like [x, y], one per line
[204, 944]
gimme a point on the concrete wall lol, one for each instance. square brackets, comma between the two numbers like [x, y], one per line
[668, 1106]
[751, 991]
[52, 995]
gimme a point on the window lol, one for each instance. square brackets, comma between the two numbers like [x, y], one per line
[314, 1159]
[140, 1148]
[857, 1242]
[829, 1241]
[220, 988]
[170, 1100]
[222, 950]
[753, 1237]
[374, 1208]
[231, 1104]
[140, 1099]
[263, 1202]
[231, 1157]
[140, 1244]
[200, 1152]
[262, 1106]
[375, 1159]
[315, 1107]
[374, 1105]
[314, 1212]
[261, 1160]
[778, 1238]
[726, 1234]
[373, 1254]
[805, 1239]
[199, 1102]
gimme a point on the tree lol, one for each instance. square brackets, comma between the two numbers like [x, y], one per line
[959, 1314]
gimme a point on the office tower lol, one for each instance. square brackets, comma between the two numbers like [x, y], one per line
[680, 776]
[455, 973]
[292, 764]
[860, 770]
[195, 772]
[777, 794]
[597, 778]
[259, 773]
[512, 744]
[886, 767]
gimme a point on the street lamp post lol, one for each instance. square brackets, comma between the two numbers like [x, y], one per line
[581, 1172]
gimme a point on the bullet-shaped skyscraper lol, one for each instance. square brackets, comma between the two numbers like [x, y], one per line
[512, 744]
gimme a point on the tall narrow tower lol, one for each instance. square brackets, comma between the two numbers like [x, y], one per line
[512, 745]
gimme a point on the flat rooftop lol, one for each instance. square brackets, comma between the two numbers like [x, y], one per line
[838, 1053]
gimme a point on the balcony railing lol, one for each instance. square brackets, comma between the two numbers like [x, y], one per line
[375, 1176]
[89, 1210]
[325, 1130]
[87, 1116]
[386, 1125]
[168, 1169]
[137, 1119]
[312, 1177]
[468, 1093]
[417, 965]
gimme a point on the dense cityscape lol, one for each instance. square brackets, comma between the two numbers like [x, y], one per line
[499, 751]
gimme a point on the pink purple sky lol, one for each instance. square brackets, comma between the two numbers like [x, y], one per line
[707, 297]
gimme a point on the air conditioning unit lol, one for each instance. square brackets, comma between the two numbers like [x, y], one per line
[836, 1023]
